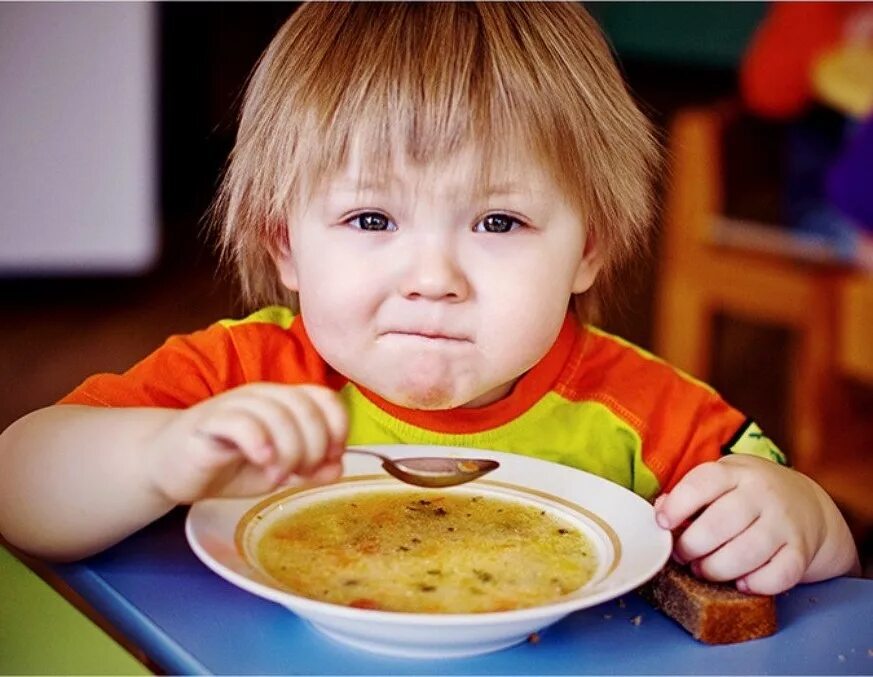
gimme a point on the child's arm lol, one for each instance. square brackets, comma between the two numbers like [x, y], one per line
[76, 479]
[765, 525]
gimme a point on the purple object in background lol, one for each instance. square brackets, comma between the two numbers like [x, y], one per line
[849, 182]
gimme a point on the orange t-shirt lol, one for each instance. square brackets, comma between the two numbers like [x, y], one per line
[594, 402]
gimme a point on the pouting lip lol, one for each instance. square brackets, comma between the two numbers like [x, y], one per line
[425, 333]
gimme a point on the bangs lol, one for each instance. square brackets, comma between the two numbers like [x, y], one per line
[415, 82]
[419, 82]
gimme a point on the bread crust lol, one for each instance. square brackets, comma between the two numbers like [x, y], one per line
[714, 613]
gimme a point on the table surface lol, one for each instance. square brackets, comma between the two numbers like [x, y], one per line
[157, 594]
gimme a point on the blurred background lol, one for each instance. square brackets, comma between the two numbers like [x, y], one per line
[117, 118]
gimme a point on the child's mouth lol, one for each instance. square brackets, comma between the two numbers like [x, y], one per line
[428, 335]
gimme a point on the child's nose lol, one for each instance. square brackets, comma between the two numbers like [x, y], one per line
[434, 273]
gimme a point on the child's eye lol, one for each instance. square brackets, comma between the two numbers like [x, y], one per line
[497, 223]
[371, 221]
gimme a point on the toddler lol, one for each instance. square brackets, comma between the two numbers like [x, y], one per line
[427, 201]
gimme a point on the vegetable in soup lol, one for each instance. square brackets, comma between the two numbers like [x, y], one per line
[427, 552]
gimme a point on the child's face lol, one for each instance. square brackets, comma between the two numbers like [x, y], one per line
[432, 293]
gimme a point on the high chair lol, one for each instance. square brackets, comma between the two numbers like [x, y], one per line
[711, 264]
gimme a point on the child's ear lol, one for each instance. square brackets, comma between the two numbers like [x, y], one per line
[283, 258]
[589, 265]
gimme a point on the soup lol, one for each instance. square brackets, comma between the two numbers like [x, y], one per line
[427, 552]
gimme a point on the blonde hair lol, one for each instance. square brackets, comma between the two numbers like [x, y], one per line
[424, 79]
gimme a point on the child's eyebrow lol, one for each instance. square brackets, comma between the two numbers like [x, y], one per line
[348, 185]
[511, 188]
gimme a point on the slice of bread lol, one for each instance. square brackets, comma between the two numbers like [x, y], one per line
[715, 613]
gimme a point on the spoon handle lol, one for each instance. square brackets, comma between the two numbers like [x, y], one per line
[367, 452]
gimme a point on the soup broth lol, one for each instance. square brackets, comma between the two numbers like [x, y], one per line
[427, 552]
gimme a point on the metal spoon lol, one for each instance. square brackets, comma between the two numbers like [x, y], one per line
[432, 471]
[422, 471]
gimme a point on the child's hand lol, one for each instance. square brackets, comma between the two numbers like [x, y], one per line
[248, 441]
[759, 523]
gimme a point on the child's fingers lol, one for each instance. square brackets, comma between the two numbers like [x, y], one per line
[700, 487]
[724, 519]
[303, 422]
[335, 415]
[285, 427]
[750, 550]
[782, 572]
[233, 432]
[312, 429]
[248, 480]
[279, 429]
[327, 472]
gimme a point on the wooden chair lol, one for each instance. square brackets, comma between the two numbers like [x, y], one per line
[711, 264]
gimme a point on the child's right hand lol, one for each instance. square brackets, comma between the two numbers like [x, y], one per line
[247, 441]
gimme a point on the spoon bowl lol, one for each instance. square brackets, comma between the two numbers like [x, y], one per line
[432, 471]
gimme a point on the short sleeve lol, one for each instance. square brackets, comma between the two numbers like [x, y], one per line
[270, 345]
[707, 432]
[185, 370]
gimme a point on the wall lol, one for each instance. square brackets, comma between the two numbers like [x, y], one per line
[78, 138]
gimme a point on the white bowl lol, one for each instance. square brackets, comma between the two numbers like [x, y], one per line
[630, 547]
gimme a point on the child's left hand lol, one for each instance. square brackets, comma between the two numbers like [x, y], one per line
[765, 525]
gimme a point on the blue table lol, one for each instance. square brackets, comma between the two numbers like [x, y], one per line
[156, 593]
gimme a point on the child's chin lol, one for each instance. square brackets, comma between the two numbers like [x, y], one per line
[432, 401]
[430, 398]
